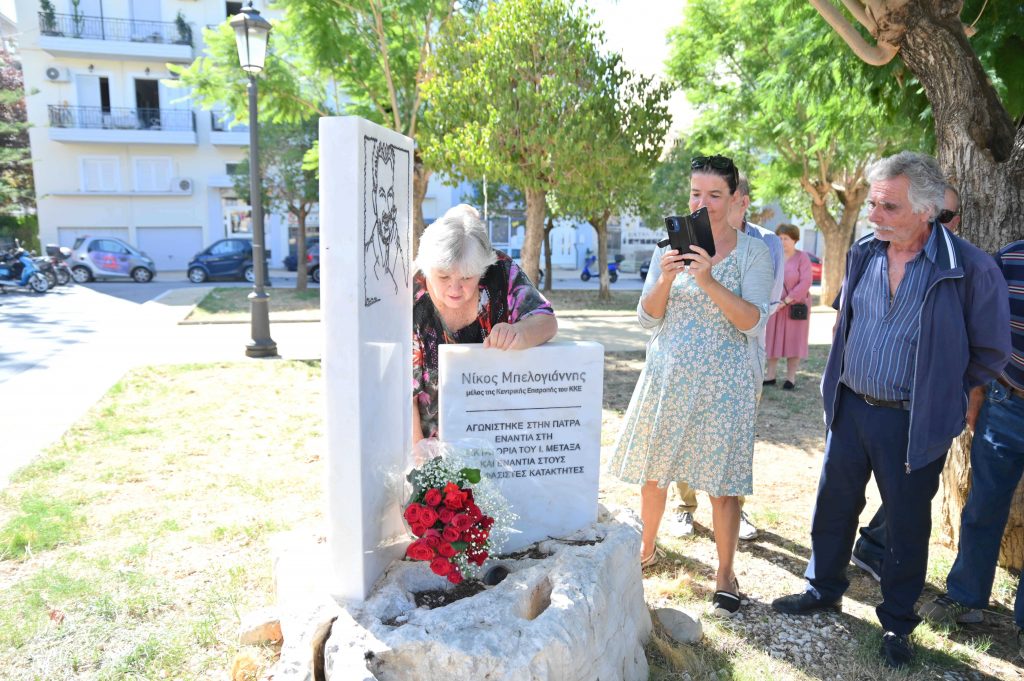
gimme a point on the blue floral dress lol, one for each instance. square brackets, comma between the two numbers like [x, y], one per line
[692, 413]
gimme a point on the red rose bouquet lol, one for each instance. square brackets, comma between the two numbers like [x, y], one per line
[453, 533]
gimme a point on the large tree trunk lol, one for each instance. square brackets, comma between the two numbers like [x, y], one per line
[536, 208]
[549, 273]
[838, 236]
[420, 179]
[984, 156]
[301, 272]
[600, 225]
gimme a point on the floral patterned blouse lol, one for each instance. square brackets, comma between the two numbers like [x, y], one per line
[506, 295]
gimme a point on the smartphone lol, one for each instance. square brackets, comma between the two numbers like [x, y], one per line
[687, 230]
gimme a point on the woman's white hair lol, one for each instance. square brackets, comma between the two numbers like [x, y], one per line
[458, 243]
[927, 192]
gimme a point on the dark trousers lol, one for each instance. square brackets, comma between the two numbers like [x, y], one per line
[871, 542]
[865, 439]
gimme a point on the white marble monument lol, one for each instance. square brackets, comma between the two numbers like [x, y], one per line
[366, 296]
[540, 409]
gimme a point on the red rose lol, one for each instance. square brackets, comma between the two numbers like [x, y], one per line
[461, 522]
[451, 488]
[469, 495]
[446, 515]
[440, 566]
[487, 522]
[474, 512]
[432, 540]
[450, 534]
[455, 501]
[427, 516]
[432, 497]
[477, 557]
[455, 577]
[412, 513]
[418, 530]
[445, 550]
[418, 550]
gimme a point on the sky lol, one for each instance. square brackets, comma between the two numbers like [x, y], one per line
[636, 29]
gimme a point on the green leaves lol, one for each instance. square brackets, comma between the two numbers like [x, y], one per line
[470, 475]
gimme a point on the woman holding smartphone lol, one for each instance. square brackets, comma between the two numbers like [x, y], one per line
[692, 413]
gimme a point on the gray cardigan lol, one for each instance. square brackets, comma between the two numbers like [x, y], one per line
[758, 277]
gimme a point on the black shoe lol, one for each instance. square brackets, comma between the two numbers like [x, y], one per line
[804, 603]
[788, 385]
[897, 652]
[868, 564]
[768, 382]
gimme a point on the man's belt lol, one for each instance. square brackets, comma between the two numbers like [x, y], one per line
[1014, 390]
[889, 404]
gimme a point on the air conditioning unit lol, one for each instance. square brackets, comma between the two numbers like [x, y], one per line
[181, 185]
[58, 74]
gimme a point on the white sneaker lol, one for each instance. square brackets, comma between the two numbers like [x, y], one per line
[747, 529]
[681, 525]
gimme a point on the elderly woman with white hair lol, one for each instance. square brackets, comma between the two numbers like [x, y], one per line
[466, 292]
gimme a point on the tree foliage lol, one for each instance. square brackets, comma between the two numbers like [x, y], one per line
[287, 185]
[17, 189]
[521, 93]
[776, 91]
[333, 57]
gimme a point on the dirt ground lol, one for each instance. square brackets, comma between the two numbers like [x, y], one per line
[788, 454]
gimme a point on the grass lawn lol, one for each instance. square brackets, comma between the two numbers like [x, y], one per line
[133, 546]
[231, 304]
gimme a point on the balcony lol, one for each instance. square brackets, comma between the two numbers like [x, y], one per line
[77, 35]
[122, 125]
[222, 133]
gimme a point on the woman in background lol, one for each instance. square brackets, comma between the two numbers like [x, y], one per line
[787, 337]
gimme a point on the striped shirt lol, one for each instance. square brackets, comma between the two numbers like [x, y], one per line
[882, 345]
[1011, 260]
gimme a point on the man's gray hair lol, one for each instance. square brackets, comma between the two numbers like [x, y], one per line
[457, 243]
[927, 192]
[743, 185]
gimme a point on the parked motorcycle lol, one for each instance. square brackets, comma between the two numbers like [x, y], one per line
[59, 256]
[18, 270]
[45, 268]
[613, 268]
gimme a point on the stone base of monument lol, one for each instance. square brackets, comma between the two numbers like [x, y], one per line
[577, 614]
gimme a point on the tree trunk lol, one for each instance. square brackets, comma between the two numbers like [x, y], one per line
[983, 155]
[838, 236]
[420, 179]
[600, 225]
[536, 208]
[548, 272]
[301, 272]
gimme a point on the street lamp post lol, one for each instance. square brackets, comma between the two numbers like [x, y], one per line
[251, 34]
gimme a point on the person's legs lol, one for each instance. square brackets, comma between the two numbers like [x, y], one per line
[687, 497]
[997, 463]
[871, 541]
[840, 499]
[907, 499]
[725, 519]
[792, 366]
[771, 368]
[652, 507]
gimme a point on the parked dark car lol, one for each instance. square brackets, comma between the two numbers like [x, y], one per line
[313, 262]
[291, 261]
[815, 269]
[644, 269]
[223, 259]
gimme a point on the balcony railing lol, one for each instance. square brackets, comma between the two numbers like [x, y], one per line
[221, 121]
[102, 28]
[107, 118]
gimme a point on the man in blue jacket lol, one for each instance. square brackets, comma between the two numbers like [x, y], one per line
[923, 319]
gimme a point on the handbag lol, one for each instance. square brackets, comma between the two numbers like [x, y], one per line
[798, 311]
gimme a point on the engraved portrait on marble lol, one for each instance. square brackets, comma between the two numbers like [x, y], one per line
[387, 171]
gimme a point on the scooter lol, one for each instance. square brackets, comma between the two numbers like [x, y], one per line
[59, 256]
[18, 270]
[613, 268]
